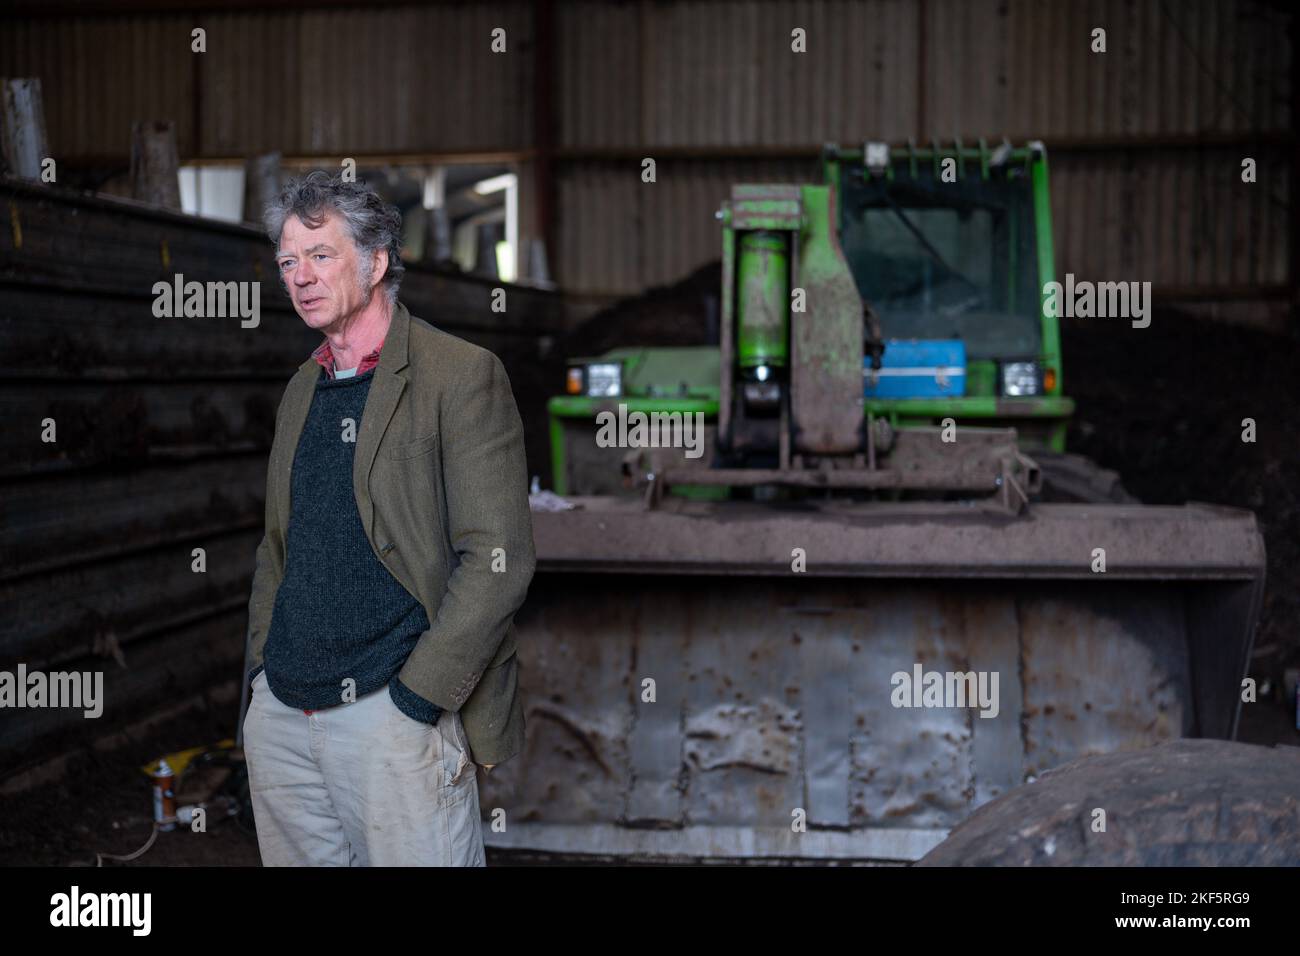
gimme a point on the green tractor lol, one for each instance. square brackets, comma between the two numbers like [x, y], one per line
[949, 250]
[802, 595]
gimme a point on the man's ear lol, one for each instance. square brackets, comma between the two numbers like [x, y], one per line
[380, 267]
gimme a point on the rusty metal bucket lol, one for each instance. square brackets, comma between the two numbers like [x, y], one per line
[688, 694]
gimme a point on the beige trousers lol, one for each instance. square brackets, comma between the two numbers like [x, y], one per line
[360, 784]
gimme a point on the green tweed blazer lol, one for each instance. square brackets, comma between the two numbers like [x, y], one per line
[442, 489]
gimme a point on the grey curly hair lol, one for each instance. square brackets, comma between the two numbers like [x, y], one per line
[372, 223]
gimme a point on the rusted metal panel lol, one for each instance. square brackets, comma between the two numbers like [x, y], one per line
[660, 649]
[789, 704]
[997, 745]
[1220, 624]
[1105, 668]
[742, 739]
[826, 642]
[577, 746]
[791, 677]
[911, 766]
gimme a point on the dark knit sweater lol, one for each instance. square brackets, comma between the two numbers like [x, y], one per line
[338, 612]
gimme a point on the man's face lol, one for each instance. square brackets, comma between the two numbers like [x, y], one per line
[324, 273]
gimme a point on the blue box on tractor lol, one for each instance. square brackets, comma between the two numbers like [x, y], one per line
[917, 368]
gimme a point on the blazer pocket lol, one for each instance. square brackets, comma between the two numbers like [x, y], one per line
[414, 449]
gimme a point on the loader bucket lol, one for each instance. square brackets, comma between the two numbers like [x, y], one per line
[689, 695]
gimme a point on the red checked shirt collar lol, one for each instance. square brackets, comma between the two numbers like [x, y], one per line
[325, 356]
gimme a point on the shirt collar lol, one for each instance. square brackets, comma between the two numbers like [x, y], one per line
[324, 356]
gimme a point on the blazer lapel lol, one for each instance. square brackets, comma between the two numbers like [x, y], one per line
[385, 391]
[297, 403]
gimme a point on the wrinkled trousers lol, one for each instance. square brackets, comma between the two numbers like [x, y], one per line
[360, 784]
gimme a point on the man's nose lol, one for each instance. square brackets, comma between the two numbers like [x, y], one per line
[304, 274]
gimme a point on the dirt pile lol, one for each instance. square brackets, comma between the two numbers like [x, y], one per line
[1164, 407]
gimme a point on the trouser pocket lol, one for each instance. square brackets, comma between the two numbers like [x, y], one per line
[457, 765]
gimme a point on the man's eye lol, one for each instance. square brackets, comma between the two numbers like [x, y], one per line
[320, 255]
[285, 264]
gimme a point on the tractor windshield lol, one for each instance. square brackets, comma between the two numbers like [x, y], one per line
[938, 260]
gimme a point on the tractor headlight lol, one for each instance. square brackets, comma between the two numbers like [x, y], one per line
[1020, 379]
[605, 379]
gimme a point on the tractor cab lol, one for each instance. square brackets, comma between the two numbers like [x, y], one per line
[951, 248]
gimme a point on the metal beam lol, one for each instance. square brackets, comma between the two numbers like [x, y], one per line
[887, 539]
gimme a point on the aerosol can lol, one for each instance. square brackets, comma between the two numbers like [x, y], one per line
[164, 796]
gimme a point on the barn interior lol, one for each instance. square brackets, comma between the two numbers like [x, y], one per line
[586, 185]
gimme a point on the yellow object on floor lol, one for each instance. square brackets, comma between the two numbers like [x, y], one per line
[179, 760]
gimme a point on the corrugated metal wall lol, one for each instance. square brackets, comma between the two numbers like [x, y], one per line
[98, 75]
[348, 81]
[694, 74]
[1145, 140]
[619, 234]
[711, 89]
[722, 73]
[1181, 219]
[1025, 68]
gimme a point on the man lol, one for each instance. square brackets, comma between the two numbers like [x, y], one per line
[398, 547]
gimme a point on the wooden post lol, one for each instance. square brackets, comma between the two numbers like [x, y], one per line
[261, 184]
[22, 126]
[437, 223]
[155, 173]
